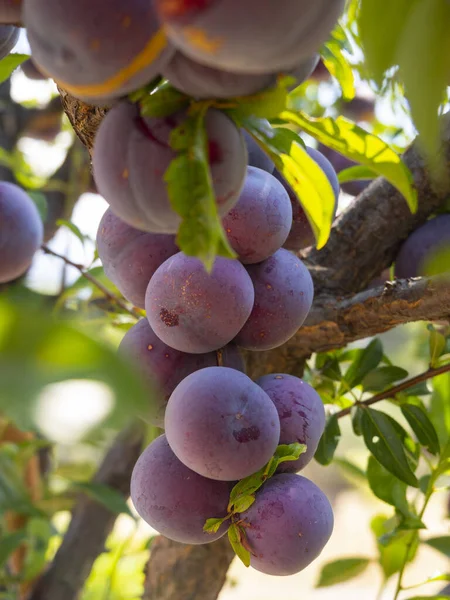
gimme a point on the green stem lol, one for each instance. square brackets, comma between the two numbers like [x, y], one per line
[412, 538]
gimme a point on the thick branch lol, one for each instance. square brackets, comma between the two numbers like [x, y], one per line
[334, 323]
[91, 524]
[187, 572]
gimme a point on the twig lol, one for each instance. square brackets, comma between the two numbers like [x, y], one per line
[396, 389]
[110, 295]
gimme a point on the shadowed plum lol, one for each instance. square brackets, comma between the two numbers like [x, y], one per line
[256, 156]
[260, 222]
[21, 231]
[431, 240]
[301, 412]
[340, 163]
[10, 11]
[200, 81]
[130, 256]
[222, 425]
[173, 499]
[8, 39]
[163, 368]
[195, 311]
[130, 175]
[118, 49]
[301, 234]
[249, 36]
[284, 293]
[288, 525]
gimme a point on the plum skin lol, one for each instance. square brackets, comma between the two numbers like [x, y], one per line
[221, 425]
[130, 175]
[301, 412]
[288, 525]
[163, 368]
[260, 222]
[426, 241]
[194, 311]
[130, 257]
[173, 499]
[284, 292]
[21, 231]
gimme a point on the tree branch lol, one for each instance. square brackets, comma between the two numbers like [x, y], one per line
[334, 323]
[91, 523]
[132, 310]
[196, 572]
[396, 389]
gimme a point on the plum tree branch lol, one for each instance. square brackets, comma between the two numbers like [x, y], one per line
[334, 323]
[91, 523]
[98, 284]
[397, 389]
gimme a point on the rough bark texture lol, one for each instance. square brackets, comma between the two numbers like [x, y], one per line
[91, 524]
[335, 323]
[363, 242]
[187, 572]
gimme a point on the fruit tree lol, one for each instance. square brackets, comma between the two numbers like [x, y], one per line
[275, 186]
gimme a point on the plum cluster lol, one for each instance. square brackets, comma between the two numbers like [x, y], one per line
[220, 426]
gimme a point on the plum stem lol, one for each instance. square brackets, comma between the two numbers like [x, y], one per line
[396, 389]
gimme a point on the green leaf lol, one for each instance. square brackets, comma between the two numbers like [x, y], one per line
[357, 414]
[396, 546]
[191, 193]
[328, 442]
[163, 101]
[342, 570]
[266, 104]
[40, 202]
[439, 411]
[380, 31]
[352, 141]
[358, 173]
[306, 178]
[423, 54]
[386, 486]
[441, 544]
[73, 228]
[10, 64]
[430, 597]
[383, 440]
[9, 543]
[339, 67]
[235, 536]
[113, 500]
[213, 525]
[437, 342]
[381, 378]
[366, 360]
[422, 427]
[245, 488]
[243, 503]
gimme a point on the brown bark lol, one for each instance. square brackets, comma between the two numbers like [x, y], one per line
[91, 524]
[187, 572]
[334, 323]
